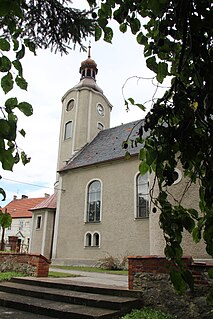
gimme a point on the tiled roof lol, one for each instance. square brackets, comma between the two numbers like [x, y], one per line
[107, 146]
[49, 202]
[20, 208]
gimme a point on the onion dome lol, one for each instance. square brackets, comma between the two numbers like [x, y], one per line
[88, 71]
[88, 67]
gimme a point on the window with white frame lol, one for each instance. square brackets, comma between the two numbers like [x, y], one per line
[94, 202]
[92, 239]
[142, 196]
[88, 240]
[68, 130]
[96, 239]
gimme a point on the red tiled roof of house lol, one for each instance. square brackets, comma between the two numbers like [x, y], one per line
[49, 202]
[20, 208]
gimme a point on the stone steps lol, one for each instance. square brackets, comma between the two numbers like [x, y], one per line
[63, 300]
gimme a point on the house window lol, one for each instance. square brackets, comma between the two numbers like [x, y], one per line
[94, 202]
[68, 130]
[142, 193]
[21, 224]
[38, 222]
[70, 105]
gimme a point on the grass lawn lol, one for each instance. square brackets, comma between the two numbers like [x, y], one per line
[92, 269]
[10, 274]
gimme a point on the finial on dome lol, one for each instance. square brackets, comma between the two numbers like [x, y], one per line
[89, 50]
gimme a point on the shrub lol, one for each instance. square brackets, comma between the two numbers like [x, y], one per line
[147, 313]
[113, 263]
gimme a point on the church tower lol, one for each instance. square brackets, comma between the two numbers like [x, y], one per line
[85, 111]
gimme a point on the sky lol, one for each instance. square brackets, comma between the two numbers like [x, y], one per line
[49, 77]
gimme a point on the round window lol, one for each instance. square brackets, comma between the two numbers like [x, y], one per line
[70, 105]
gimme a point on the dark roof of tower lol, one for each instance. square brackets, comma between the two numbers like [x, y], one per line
[107, 146]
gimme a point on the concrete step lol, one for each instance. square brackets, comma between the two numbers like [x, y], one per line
[54, 308]
[82, 287]
[71, 296]
[60, 299]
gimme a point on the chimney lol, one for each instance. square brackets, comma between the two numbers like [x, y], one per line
[24, 196]
[14, 197]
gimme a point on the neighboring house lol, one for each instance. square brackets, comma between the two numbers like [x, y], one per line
[103, 203]
[19, 233]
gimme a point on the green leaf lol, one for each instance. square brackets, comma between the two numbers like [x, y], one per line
[5, 64]
[25, 108]
[7, 159]
[98, 33]
[135, 25]
[15, 44]
[5, 219]
[22, 132]
[24, 158]
[151, 64]
[143, 168]
[131, 100]
[123, 27]
[196, 234]
[18, 66]
[2, 192]
[30, 45]
[108, 34]
[7, 83]
[162, 71]
[141, 106]
[178, 281]
[20, 54]
[21, 82]
[141, 39]
[127, 156]
[11, 103]
[4, 45]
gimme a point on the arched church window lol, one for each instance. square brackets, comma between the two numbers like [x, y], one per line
[94, 202]
[88, 240]
[70, 105]
[142, 193]
[68, 130]
[96, 239]
[88, 72]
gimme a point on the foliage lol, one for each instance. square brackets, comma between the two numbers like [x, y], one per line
[177, 40]
[5, 222]
[9, 275]
[112, 263]
[29, 24]
[146, 313]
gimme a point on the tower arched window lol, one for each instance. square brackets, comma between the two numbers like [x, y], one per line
[142, 196]
[68, 130]
[94, 202]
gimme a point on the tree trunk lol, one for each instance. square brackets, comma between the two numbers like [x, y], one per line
[2, 239]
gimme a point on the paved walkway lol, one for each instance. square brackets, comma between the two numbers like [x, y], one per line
[110, 280]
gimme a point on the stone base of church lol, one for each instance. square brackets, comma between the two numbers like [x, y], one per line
[73, 262]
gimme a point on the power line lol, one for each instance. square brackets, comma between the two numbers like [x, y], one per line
[35, 185]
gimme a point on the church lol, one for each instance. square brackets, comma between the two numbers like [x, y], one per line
[101, 205]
